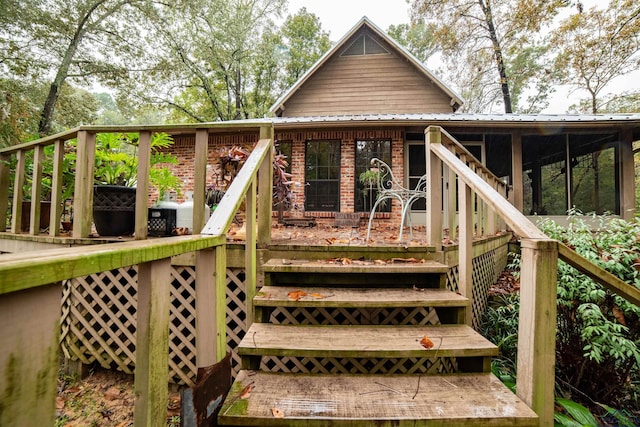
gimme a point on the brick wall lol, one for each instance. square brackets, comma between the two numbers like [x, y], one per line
[183, 148]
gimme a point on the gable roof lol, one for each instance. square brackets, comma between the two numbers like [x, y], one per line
[455, 102]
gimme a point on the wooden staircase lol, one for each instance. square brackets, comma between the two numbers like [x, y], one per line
[367, 344]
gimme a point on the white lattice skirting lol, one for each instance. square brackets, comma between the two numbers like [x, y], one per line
[99, 322]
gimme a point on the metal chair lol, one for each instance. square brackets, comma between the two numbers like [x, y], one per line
[389, 189]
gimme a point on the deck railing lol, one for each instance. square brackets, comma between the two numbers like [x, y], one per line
[30, 289]
[539, 263]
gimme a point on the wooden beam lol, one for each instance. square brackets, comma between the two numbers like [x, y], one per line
[152, 343]
[57, 203]
[265, 189]
[516, 171]
[434, 187]
[18, 193]
[5, 183]
[627, 181]
[29, 356]
[600, 275]
[142, 186]
[206, 332]
[36, 190]
[28, 270]
[220, 307]
[83, 190]
[537, 326]
[250, 264]
[200, 179]
[465, 248]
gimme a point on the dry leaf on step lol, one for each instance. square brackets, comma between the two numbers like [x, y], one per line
[426, 342]
[317, 295]
[277, 413]
[296, 295]
[246, 392]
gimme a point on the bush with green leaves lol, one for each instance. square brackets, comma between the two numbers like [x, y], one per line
[598, 332]
[597, 354]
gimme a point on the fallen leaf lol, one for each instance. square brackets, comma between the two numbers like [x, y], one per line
[619, 315]
[277, 413]
[379, 262]
[112, 393]
[296, 295]
[317, 295]
[426, 342]
[246, 392]
[59, 402]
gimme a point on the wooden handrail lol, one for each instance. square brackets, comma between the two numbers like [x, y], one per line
[599, 274]
[222, 217]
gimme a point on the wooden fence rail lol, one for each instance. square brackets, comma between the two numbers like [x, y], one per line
[30, 289]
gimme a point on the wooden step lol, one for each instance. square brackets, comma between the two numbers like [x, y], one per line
[354, 267]
[278, 296]
[380, 400]
[364, 341]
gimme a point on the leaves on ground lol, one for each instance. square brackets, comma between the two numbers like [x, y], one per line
[277, 413]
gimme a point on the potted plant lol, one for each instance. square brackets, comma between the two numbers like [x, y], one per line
[115, 175]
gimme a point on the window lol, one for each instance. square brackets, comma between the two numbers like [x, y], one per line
[590, 183]
[365, 193]
[322, 176]
[364, 45]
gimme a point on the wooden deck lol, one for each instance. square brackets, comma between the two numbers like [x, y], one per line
[478, 399]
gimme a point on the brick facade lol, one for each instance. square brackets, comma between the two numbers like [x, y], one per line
[183, 148]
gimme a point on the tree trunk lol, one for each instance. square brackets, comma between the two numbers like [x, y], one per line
[497, 50]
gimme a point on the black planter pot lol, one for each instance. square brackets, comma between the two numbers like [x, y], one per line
[114, 210]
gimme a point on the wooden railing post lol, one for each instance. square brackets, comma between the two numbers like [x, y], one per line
[142, 186]
[465, 246]
[200, 179]
[210, 298]
[83, 190]
[56, 189]
[36, 190]
[265, 190]
[5, 182]
[537, 326]
[152, 343]
[18, 182]
[29, 356]
[434, 189]
[250, 258]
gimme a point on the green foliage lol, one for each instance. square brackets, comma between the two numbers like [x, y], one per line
[417, 37]
[576, 414]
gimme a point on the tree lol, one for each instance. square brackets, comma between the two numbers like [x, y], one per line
[597, 46]
[305, 43]
[67, 40]
[492, 47]
[417, 37]
[204, 56]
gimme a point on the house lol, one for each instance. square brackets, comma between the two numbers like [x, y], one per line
[369, 97]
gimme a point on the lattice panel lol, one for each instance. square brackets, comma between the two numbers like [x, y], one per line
[331, 365]
[99, 320]
[236, 314]
[418, 316]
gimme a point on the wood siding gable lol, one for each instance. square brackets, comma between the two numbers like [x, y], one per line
[380, 83]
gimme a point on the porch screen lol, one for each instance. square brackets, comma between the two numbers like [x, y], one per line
[365, 185]
[322, 176]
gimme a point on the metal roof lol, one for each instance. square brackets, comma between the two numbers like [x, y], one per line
[461, 119]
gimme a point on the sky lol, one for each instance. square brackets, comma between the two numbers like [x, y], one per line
[339, 16]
